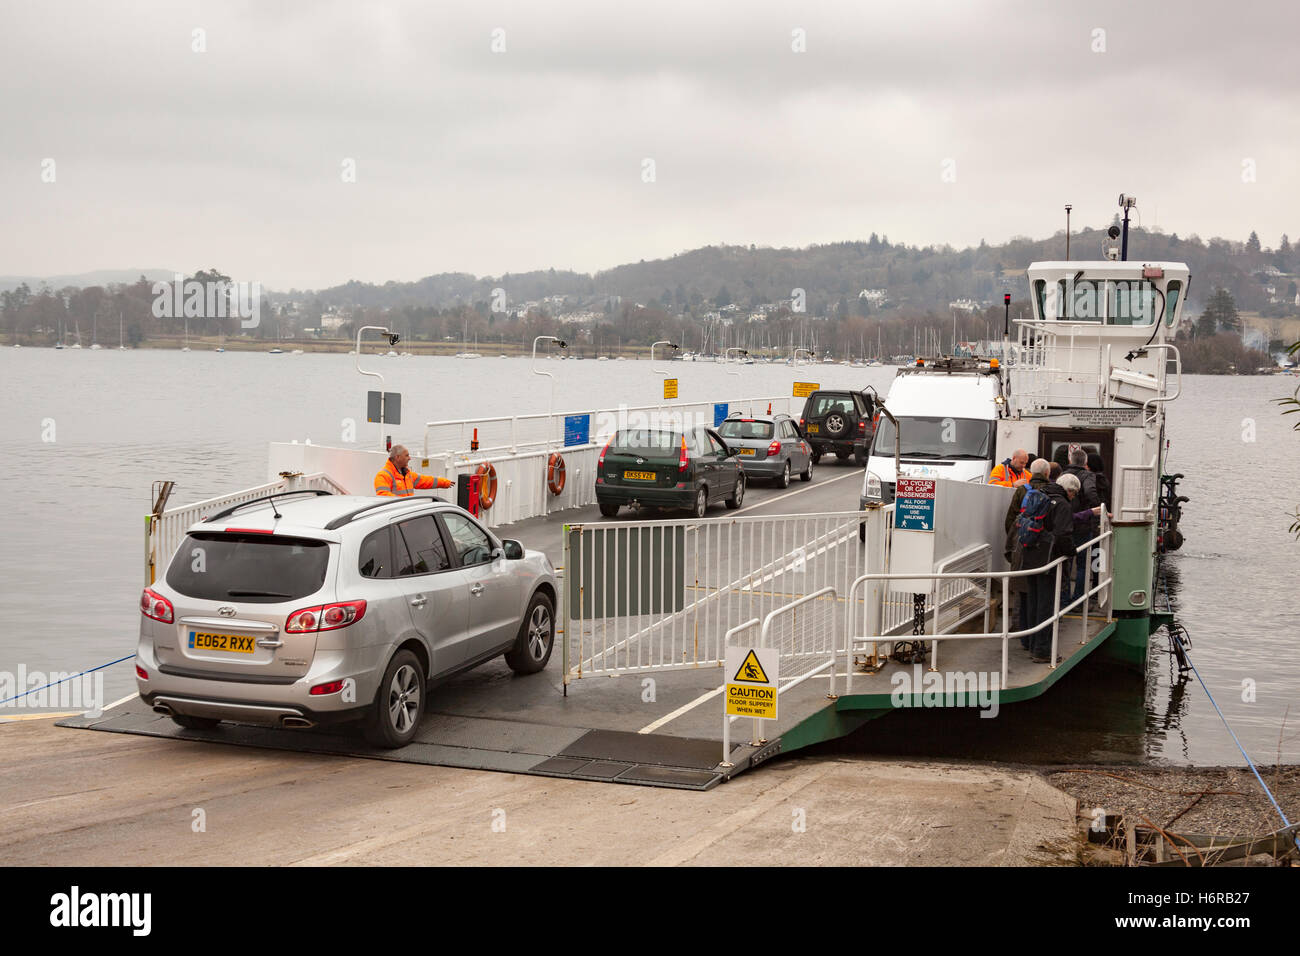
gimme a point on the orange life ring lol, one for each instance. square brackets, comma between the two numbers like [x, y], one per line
[555, 473]
[487, 484]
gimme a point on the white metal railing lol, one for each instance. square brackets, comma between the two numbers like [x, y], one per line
[165, 532]
[522, 491]
[1053, 370]
[1138, 487]
[809, 650]
[858, 610]
[513, 433]
[660, 595]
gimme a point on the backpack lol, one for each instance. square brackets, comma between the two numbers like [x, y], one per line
[1034, 508]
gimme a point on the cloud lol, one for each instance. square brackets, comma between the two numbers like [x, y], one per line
[488, 162]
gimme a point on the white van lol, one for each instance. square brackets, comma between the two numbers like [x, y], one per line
[947, 411]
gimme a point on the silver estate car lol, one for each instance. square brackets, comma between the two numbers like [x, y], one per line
[293, 612]
[769, 446]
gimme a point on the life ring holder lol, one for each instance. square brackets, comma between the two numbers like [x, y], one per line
[555, 473]
[486, 476]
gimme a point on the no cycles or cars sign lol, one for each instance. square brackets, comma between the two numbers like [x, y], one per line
[914, 504]
[804, 389]
[670, 388]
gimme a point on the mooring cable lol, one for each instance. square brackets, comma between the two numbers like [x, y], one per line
[68, 678]
[1285, 822]
[1180, 643]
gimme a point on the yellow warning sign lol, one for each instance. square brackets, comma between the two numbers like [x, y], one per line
[804, 389]
[670, 388]
[752, 682]
[751, 671]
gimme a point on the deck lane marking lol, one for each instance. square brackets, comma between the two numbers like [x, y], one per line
[652, 727]
[122, 701]
[809, 487]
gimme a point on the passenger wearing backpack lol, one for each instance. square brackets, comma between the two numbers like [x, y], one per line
[1037, 479]
[1045, 532]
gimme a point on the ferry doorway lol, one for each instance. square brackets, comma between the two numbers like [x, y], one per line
[1100, 441]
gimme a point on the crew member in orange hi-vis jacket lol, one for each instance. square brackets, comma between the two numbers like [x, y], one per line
[1012, 471]
[395, 480]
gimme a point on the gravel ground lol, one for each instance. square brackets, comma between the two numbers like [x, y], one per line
[1219, 800]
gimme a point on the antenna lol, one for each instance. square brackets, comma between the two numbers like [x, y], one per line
[1068, 207]
[1126, 203]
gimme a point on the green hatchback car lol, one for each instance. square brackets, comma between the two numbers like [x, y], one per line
[688, 468]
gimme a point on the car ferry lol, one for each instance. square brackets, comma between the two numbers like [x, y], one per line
[824, 612]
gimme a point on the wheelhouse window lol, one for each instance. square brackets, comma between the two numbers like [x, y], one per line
[1126, 302]
[1132, 302]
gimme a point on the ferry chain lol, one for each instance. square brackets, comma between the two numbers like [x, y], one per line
[913, 651]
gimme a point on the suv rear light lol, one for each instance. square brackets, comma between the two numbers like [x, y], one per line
[862, 424]
[141, 673]
[682, 461]
[774, 449]
[154, 605]
[325, 617]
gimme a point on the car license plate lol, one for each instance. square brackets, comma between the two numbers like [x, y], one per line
[204, 641]
[747, 451]
[813, 429]
[638, 476]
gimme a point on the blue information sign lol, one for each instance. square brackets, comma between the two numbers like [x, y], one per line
[719, 413]
[914, 504]
[577, 430]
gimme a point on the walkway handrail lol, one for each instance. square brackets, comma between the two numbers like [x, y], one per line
[784, 608]
[726, 722]
[1004, 576]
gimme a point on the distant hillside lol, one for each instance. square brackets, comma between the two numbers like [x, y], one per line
[84, 280]
[913, 278]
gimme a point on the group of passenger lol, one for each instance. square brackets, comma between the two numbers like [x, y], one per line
[1055, 509]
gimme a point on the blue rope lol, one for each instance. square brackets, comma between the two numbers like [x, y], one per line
[1285, 821]
[68, 678]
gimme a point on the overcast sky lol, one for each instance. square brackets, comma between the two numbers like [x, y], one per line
[927, 122]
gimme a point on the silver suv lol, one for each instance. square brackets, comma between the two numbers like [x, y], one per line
[293, 612]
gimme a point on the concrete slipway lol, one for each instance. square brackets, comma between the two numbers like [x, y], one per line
[95, 799]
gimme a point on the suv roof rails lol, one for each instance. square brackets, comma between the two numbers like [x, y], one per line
[341, 520]
[279, 494]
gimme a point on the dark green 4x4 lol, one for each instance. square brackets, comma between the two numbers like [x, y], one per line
[839, 422]
[668, 468]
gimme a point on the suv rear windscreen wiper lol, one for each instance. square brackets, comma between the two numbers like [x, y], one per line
[256, 594]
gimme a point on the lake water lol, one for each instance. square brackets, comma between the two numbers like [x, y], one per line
[86, 433]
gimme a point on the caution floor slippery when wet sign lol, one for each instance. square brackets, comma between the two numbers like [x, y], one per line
[752, 682]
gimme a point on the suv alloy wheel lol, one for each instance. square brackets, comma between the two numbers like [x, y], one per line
[536, 637]
[399, 703]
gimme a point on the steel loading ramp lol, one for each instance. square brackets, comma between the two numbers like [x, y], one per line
[489, 719]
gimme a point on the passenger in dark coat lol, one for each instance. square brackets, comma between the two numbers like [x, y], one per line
[1057, 541]
[1098, 470]
[1084, 531]
[1019, 586]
